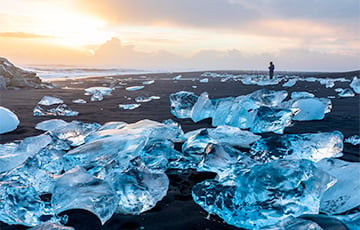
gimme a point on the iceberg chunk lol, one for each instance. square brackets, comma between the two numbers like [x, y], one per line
[12, 155]
[97, 96]
[149, 82]
[9, 120]
[355, 85]
[134, 88]
[51, 226]
[266, 194]
[271, 120]
[105, 91]
[47, 100]
[182, 103]
[77, 189]
[129, 106]
[203, 108]
[292, 223]
[60, 110]
[311, 146]
[290, 83]
[79, 101]
[143, 99]
[344, 195]
[354, 140]
[51, 124]
[311, 108]
[138, 188]
[297, 95]
[347, 93]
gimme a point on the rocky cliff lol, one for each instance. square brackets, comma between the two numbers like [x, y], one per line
[14, 77]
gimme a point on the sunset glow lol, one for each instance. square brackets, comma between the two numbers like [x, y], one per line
[68, 32]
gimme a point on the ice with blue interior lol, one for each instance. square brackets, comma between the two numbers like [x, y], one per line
[105, 91]
[354, 140]
[48, 100]
[97, 96]
[50, 124]
[129, 106]
[77, 189]
[351, 221]
[51, 226]
[9, 120]
[346, 93]
[292, 223]
[134, 88]
[311, 146]
[14, 154]
[149, 82]
[290, 83]
[355, 85]
[344, 195]
[138, 188]
[143, 99]
[265, 194]
[60, 110]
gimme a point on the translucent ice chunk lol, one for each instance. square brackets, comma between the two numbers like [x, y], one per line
[77, 189]
[292, 223]
[105, 91]
[142, 99]
[129, 106]
[204, 80]
[149, 82]
[79, 101]
[9, 120]
[297, 95]
[203, 108]
[50, 124]
[352, 221]
[347, 93]
[12, 155]
[227, 135]
[311, 146]
[177, 77]
[182, 103]
[343, 196]
[311, 108]
[60, 110]
[271, 120]
[265, 97]
[134, 88]
[266, 194]
[75, 132]
[97, 96]
[138, 188]
[354, 140]
[290, 83]
[355, 85]
[47, 100]
[21, 204]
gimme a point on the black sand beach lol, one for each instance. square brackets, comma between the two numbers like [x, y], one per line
[177, 210]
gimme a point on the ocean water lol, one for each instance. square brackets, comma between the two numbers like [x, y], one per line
[53, 72]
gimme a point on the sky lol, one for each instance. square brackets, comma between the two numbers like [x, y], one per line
[311, 35]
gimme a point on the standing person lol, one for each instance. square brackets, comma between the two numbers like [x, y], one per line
[271, 70]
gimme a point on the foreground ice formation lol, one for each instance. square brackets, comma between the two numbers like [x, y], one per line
[355, 85]
[311, 146]
[60, 110]
[9, 120]
[265, 195]
[80, 190]
[343, 196]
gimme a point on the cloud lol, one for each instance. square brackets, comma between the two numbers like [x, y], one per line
[22, 35]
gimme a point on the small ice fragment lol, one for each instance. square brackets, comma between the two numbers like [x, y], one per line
[9, 121]
[194, 86]
[155, 97]
[204, 80]
[47, 100]
[142, 99]
[347, 93]
[77, 189]
[79, 101]
[50, 124]
[97, 96]
[129, 106]
[148, 82]
[297, 95]
[290, 83]
[354, 140]
[105, 91]
[355, 85]
[338, 90]
[134, 88]
[177, 77]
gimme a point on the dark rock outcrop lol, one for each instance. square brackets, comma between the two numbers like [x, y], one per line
[14, 77]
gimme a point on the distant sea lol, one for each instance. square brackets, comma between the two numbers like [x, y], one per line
[54, 72]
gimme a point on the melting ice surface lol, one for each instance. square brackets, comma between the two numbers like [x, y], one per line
[60, 110]
[9, 120]
[47, 100]
[129, 106]
[266, 194]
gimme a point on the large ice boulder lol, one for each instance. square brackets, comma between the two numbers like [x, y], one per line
[8, 120]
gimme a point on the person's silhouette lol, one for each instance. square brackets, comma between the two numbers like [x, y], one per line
[271, 70]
